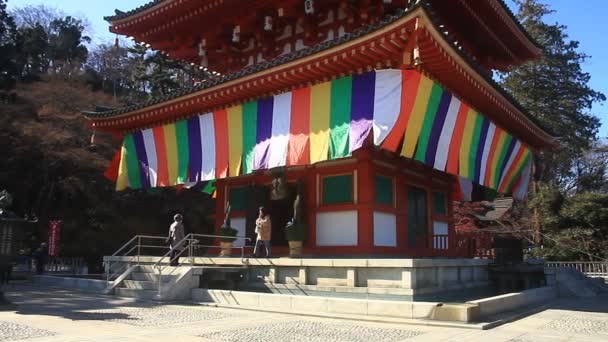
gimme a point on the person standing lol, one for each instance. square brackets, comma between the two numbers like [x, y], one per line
[40, 256]
[176, 235]
[263, 228]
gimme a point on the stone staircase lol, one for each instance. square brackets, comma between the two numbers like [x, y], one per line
[572, 282]
[141, 282]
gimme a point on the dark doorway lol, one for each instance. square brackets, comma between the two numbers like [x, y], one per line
[281, 211]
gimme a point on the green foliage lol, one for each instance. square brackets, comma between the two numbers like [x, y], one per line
[228, 233]
[576, 226]
[33, 46]
[556, 92]
[66, 43]
[8, 49]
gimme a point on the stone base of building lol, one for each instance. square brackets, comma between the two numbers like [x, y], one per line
[379, 276]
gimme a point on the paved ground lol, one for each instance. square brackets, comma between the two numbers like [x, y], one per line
[55, 315]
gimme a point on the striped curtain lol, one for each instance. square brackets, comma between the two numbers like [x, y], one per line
[403, 110]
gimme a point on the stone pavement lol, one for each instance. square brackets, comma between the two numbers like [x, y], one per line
[56, 315]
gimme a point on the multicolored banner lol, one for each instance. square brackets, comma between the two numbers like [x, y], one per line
[403, 110]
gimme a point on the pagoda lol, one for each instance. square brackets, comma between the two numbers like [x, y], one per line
[383, 111]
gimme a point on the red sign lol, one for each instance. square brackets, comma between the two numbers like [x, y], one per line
[54, 230]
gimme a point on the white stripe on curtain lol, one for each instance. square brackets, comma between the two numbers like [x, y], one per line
[466, 187]
[281, 121]
[443, 147]
[486, 151]
[387, 103]
[521, 191]
[208, 147]
[150, 145]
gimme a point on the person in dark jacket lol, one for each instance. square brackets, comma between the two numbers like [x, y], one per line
[40, 256]
[176, 235]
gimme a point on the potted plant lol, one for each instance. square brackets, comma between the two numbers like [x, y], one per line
[227, 233]
[295, 234]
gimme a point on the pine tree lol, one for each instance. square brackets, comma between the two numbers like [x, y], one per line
[556, 92]
[8, 49]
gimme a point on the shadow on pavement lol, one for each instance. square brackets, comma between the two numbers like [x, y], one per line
[596, 304]
[36, 300]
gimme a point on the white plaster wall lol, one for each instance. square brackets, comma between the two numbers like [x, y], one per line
[385, 229]
[239, 224]
[337, 228]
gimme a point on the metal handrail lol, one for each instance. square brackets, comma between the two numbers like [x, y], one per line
[135, 238]
[190, 241]
[135, 243]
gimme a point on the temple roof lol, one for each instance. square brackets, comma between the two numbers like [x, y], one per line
[489, 24]
[122, 15]
[214, 81]
[219, 80]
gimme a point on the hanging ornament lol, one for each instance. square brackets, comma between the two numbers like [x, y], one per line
[201, 48]
[309, 7]
[236, 34]
[267, 23]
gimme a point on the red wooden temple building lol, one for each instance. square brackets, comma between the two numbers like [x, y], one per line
[384, 110]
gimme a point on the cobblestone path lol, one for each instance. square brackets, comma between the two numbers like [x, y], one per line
[49, 315]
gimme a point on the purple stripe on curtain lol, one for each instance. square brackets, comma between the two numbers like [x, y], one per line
[442, 112]
[506, 158]
[362, 109]
[142, 159]
[195, 150]
[263, 133]
[482, 143]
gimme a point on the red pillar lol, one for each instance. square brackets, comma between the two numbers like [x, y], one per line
[365, 201]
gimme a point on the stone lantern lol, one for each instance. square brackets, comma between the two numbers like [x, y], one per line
[12, 230]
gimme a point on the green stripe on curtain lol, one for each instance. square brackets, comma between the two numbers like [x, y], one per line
[427, 125]
[339, 119]
[183, 150]
[474, 145]
[132, 163]
[209, 187]
[501, 160]
[250, 123]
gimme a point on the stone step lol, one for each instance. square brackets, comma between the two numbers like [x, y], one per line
[165, 269]
[139, 284]
[138, 276]
[136, 293]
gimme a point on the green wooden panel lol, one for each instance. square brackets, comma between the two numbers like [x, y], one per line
[417, 217]
[439, 203]
[338, 189]
[238, 198]
[384, 190]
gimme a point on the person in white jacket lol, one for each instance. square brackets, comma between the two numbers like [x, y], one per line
[263, 228]
[176, 235]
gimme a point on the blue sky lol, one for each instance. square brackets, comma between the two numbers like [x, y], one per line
[585, 20]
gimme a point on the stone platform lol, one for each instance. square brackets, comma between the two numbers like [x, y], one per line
[399, 276]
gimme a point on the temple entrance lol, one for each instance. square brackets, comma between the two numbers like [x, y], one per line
[280, 209]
